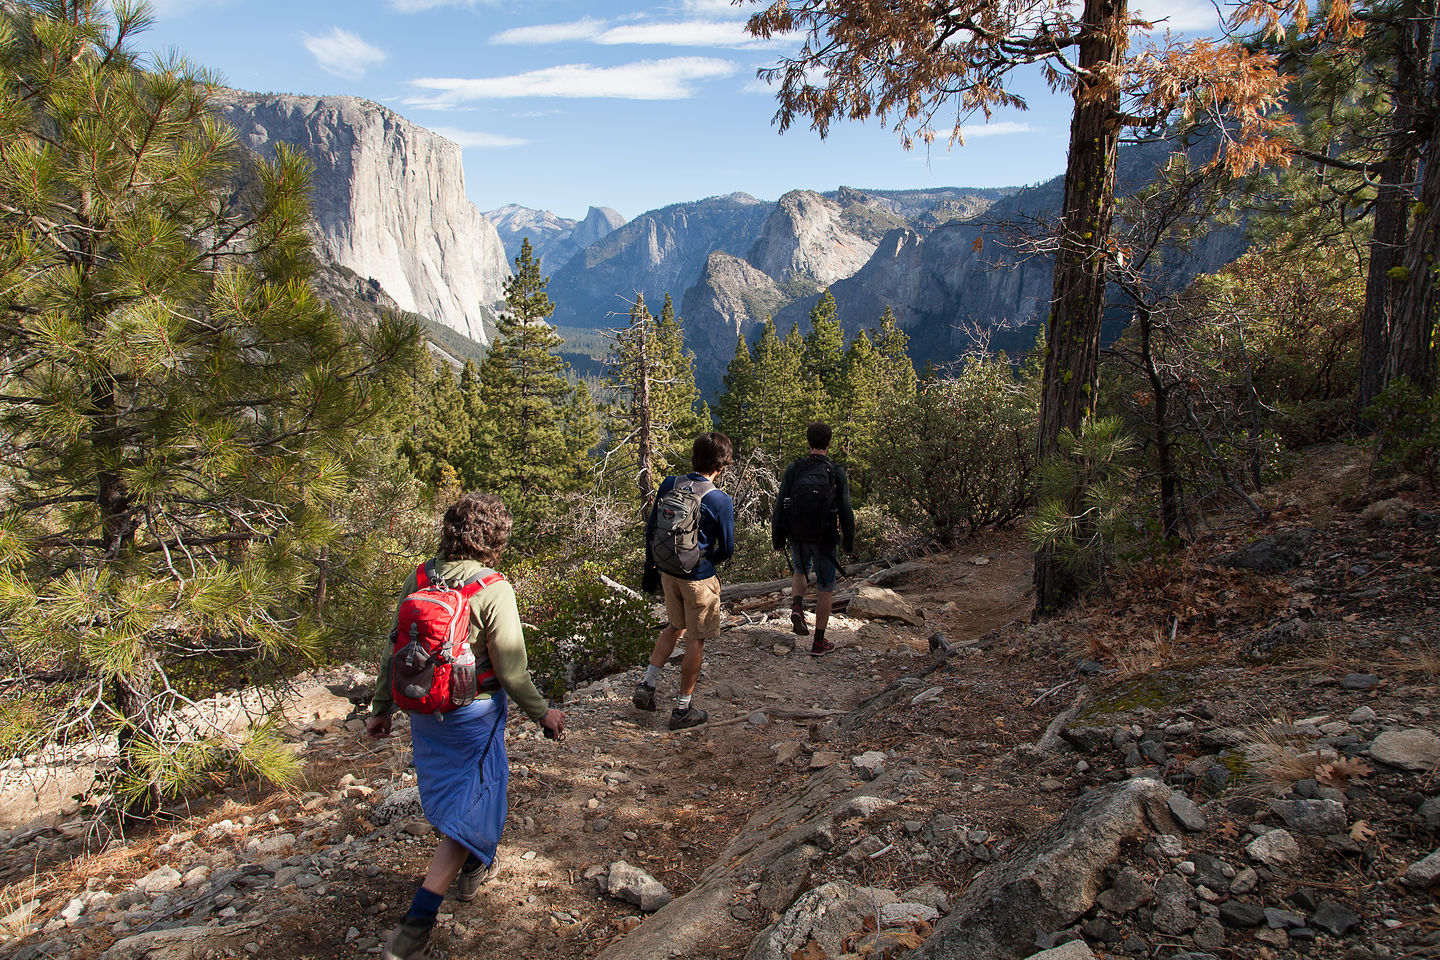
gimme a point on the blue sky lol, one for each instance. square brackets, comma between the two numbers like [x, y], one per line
[560, 104]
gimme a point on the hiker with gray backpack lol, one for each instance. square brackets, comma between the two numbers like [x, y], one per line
[690, 530]
[812, 514]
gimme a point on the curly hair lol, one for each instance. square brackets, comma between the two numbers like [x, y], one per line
[476, 527]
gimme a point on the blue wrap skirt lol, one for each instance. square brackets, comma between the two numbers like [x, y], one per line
[463, 772]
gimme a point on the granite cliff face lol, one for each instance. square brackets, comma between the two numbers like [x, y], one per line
[389, 202]
[554, 240]
[806, 237]
[663, 251]
[730, 300]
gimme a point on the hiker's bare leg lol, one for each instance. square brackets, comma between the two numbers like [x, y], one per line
[797, 586]
[823, 599]
[665, 645]
[449, 857]
[690, 666]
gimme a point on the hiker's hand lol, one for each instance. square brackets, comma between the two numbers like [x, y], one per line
[378, 727]
[554, 723]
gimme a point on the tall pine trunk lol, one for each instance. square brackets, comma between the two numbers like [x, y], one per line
[1072, 349]
[1387, 247]
[1411, 354]
[1413, 40]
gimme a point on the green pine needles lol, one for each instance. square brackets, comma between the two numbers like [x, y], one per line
[1085, 505]
[179, 413]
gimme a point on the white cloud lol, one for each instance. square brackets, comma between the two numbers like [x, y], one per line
[343, 53]
[999, 129]
[686, 33]
[583, 29]
[475, 138]
[1182, 16]
[756, 85]
[678, 33]
[669, 79]
[420, 6]
[712, 6]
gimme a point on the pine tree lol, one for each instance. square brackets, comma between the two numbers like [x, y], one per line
[656, 411]
[860, 420]
[823, 360]
[178, 410]
[893, 346]
[529, 439]
[737, 398]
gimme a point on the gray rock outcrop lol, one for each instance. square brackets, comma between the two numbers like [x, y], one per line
[1054, 879]
[806, 237]
[388, 202]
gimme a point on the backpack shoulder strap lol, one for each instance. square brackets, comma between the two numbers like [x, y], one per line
[479, 582]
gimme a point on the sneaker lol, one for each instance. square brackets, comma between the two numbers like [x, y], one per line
[644, 698]
[693, 717]
[797, 621]
[410, 941]
[821, 647]
[468, 886]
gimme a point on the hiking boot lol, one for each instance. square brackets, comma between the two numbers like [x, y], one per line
[468, 886]
[821, 647]
[410, 941]
[691, 717]
[797, 621]
[644, 698]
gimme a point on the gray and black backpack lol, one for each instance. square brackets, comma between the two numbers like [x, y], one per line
[675, 541]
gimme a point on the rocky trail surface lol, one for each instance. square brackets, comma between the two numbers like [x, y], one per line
[1234, 754]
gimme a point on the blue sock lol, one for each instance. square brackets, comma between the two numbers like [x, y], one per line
[425, 906]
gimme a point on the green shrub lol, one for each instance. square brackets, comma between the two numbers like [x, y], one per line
[579, 628]
[1409, 430]
[961, 455]
[755, 557]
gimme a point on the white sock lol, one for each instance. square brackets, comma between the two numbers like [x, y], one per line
[652, 675]
[683, 703]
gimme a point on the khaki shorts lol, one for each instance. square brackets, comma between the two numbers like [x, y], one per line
[694, 605]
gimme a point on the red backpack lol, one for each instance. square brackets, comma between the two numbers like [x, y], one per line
[432, 668]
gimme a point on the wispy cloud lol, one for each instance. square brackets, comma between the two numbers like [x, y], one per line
[999, 129]
[343, 53]
[676, 33]
[586, 28]
[478, 139]
[673, 78]
[420, 6]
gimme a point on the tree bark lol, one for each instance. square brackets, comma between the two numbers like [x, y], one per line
[1072, 349]
[1386, 249]
[132, 699]
[1411, 354]
[1414, 37]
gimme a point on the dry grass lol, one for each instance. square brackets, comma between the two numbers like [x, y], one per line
[1275, 755]
[13, 899]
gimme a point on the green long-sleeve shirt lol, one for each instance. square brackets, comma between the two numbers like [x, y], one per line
[495, 620]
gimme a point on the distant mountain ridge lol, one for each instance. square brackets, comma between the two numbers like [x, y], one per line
[554, 240]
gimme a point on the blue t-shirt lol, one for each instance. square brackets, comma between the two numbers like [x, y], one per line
[717, 528]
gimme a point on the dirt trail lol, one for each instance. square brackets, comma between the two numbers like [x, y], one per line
[621, 787]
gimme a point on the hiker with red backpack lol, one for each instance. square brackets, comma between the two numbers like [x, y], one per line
[812, 513]
[457, 658]
[690, 530]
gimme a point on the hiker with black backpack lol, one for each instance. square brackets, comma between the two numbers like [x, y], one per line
[457, 657]
[812, 513]
[690, 530]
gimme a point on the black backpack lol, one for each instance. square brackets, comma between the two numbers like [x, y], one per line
[675, 541]
[810, 508]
